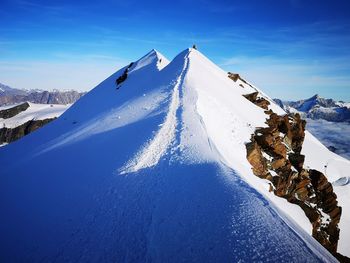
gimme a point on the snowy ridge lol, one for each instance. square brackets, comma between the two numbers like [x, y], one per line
[178, 131]
[148, 59]
[153, 151]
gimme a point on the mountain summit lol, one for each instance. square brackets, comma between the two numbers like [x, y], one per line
[151, 166]
[317, 107]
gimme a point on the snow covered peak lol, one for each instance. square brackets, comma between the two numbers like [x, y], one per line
[315, 97]
[152, 58]
[152, 167]
[317, 107]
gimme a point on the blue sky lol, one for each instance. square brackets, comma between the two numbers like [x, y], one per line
[291, 49]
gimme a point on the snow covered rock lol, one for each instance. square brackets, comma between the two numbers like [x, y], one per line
[19, 120]
[10, 112]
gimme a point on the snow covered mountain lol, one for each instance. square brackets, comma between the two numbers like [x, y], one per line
[318, 108]
[10, 96]
[327, 119]
[6, 90]
[19, 120]
[160, 163]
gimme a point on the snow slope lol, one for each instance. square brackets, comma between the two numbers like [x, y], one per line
[154, 171]
[34, 112]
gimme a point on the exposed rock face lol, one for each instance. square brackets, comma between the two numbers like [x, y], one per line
[8, 135]
[233, 76]
[124, 76]
[261, 102]
[54, 97]
[274, 153]
[10, 96]
[236, 76]
[9, 113]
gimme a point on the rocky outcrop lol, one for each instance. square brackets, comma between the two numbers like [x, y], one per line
[236, 76]
[233, 76]
[8, 135]
[275, 154]
[9, 113]
[259, 101]
[124, 76]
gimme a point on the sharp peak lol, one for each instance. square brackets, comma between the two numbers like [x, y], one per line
[153, 52]
[315, 97]
[185, 52]
[155, 56]
[191, 50]
[189, 53]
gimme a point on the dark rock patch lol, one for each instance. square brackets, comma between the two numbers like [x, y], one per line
[236, 76]
[259, 101]
[9, 113]
[124, 76]
[233, 76]
[8, 135]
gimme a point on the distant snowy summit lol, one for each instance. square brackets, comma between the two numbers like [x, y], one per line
[317, 107]
[173, 161]
[9, 96]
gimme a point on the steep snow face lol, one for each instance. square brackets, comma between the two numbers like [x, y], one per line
[153, 170]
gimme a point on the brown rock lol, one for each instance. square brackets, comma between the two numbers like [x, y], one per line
[309, 189]
[256, 159]
[297, 160]
[252, 96]
[262, 103]
[233, 76]
[278, 163]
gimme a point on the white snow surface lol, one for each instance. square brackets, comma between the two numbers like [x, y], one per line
[154, 171]
[34, 112]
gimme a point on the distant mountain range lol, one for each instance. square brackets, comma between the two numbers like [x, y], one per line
[9, 96]
[318, 108]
